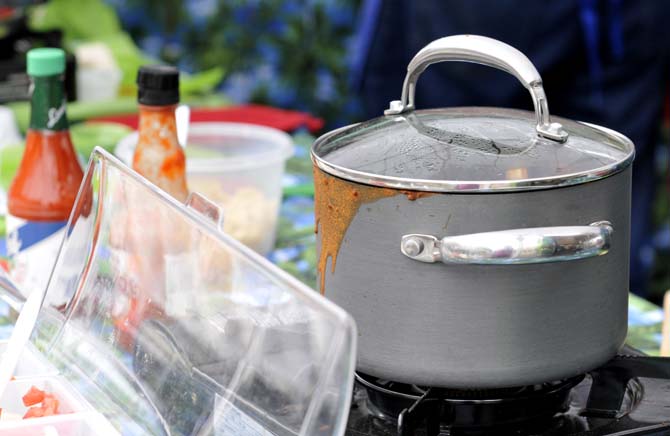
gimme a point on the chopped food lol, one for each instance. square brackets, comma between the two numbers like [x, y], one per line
[34, 396]
[249, 216]
[50, 405]
[34, 412]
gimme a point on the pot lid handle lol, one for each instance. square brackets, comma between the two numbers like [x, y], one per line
[484, 51]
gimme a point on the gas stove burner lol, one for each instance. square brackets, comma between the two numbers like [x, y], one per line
[626, 396]
[466, 411]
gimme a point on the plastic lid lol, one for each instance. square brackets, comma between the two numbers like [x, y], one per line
[158, 85]
[217, 147]
[45, 62]
[176, 328]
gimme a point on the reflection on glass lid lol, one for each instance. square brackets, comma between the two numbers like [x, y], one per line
[466, 149]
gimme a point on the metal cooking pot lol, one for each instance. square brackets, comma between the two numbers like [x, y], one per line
[476, 247]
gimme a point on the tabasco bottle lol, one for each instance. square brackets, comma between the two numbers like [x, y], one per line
[158, 155]
[146, 248]
[43, 191]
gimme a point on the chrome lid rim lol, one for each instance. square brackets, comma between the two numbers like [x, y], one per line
[477, 186]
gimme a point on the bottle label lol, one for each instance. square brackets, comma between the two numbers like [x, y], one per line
[32, 248]
[22, 234]
[47, 105]
[55, 115]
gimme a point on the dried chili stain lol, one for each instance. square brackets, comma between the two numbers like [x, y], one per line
[336, 203]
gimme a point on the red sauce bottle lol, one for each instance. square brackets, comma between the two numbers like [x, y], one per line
[44, 189]
[161, 160]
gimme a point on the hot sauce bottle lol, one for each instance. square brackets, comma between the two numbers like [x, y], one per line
[146, 248]
[158, 155]
[44, 189]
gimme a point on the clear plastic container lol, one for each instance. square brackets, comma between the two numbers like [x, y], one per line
[79, 424]
[239, 167]
[167, 326]
[31, 363]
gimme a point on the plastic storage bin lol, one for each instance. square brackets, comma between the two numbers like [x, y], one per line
[239, 167]
[87, 424]
[31, 363]
[164, 325]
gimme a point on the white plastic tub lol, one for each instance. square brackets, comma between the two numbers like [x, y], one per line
[13, 409]
[75, 415]
[240, 167]
[76, 424]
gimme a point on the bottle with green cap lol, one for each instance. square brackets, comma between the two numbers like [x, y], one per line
[43, 191]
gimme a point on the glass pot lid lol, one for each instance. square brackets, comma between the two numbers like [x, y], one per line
[474, 148]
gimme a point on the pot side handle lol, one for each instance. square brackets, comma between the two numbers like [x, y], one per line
[511, 247]
[484, 51]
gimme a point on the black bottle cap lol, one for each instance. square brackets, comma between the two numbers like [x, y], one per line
[158, 85]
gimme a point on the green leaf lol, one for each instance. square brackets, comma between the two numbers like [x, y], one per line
[95, 21]
[10, 158]
[128, 57]
[201, 83]
[79, 20]
[87, 136]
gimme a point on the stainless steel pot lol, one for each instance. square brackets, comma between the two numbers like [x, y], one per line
[476, 247]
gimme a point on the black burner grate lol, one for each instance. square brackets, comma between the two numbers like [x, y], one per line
[466, 411]
[614, 399]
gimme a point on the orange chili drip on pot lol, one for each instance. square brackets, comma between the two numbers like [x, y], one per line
[336, 203]
[415, 195]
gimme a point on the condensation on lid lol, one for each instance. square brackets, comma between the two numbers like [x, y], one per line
[470, 149]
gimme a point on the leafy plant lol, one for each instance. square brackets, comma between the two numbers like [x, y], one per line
[94, 20]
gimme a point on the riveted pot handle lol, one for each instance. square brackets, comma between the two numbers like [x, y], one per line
[485, 51]
[509, 247]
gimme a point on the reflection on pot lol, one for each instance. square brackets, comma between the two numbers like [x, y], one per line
[516, 174]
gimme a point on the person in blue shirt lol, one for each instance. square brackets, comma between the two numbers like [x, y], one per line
[602, 61]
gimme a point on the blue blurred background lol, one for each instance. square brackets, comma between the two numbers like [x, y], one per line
[603, 61]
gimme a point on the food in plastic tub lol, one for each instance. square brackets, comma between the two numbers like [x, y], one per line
[240, 167]
[38, 397]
